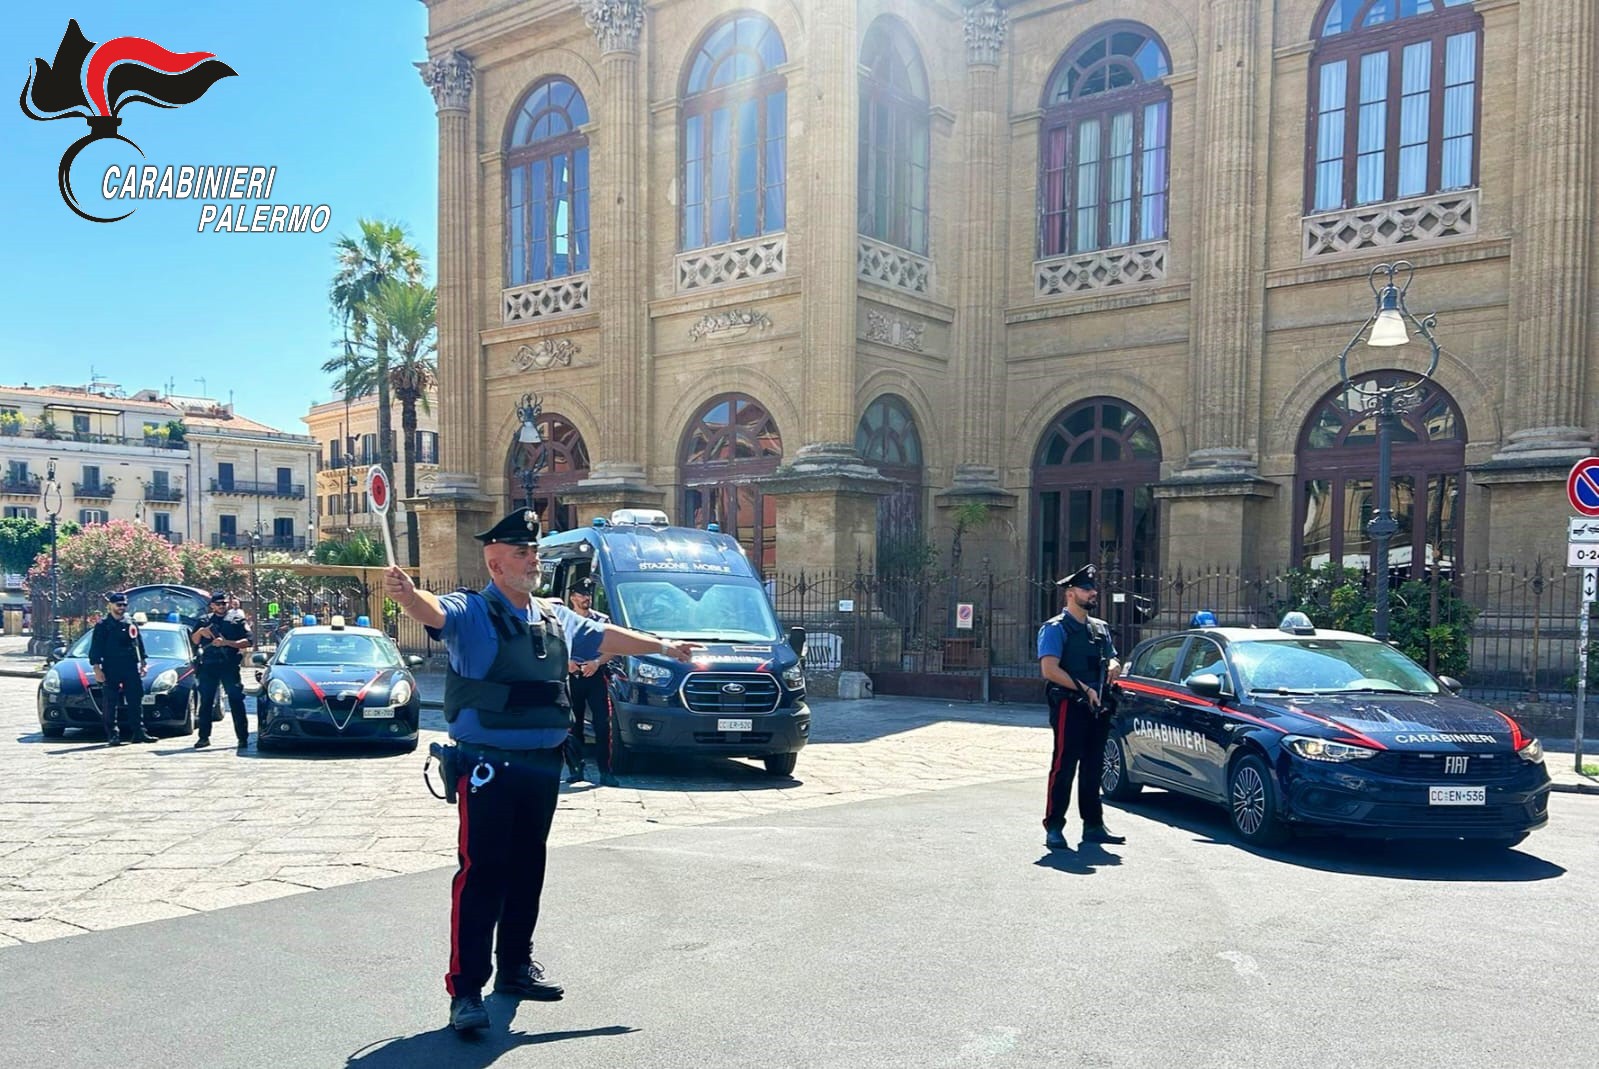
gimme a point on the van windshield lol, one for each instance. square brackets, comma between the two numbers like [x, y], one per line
[720, 609]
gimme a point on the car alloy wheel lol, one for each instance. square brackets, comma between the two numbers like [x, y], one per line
[1249, 800]
[1114, 782]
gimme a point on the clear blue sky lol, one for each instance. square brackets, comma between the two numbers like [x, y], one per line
[326, 92]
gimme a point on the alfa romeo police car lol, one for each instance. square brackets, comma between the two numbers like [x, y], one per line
[1300, 728]
[333, 684]
[69, 697]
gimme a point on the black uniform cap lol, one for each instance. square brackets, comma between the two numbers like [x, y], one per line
[519, 528]
[116, 599]
[584, 586]
[1082, 577]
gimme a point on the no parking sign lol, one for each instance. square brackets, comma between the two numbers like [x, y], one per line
[1582, 486]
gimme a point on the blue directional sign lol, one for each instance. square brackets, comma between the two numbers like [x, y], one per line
[1582, 486]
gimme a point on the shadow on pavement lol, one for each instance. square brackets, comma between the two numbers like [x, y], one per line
[1083, 861]
[1402, 859]
[677, 772]
[444, 1049]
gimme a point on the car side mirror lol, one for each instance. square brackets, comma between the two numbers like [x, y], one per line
[1451, 684]
[413, 661]
[57, 654]
[796, 639]
[258, 658]
[1205, 685]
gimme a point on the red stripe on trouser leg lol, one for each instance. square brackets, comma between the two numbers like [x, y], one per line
[610, 732]
[465, 862]
[1054, 768]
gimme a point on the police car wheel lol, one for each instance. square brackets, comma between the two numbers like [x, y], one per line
[191, 713]
[52, 731]
[1252, 802]
[780, 764]
[1114, 782]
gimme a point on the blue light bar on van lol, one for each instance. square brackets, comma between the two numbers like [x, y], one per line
[713, 527]
[599, 521]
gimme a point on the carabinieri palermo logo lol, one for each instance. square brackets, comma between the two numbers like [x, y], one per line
[95, 82]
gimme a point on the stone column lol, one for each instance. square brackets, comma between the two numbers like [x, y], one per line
[620, 280]
[456, 504]
[1218, 486]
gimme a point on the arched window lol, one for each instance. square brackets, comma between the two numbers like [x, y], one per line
[1337, 465]
[1104, 161]
[887, 438]
[558, 461]
[894, 134]
[1394, 101]
[1092, 497]
[728, 447]
[735, 130]
[547, 185]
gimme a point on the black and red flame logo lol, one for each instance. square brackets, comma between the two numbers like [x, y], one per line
[95, 82]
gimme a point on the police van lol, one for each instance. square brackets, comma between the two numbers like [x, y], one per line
[743, 695]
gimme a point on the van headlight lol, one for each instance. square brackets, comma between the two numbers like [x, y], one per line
[52, 682]
[794, 677]
[400, 693]
[1324, 750]
[278, 692]
[650, 674]
[164, 682]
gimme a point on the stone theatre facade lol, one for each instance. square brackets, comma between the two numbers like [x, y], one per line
[824, 272]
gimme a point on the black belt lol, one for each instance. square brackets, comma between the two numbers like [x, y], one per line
[496, 753]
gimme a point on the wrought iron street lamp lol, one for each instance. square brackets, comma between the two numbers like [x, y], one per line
[532, 459]
[50, 501]
[1389, 326]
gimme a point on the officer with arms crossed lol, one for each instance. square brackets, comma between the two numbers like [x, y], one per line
[222, 638]
[117, 653]
[1078, 660]
[506, 703]
[587, 685]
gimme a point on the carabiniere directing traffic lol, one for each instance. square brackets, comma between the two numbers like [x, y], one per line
[1304, 729]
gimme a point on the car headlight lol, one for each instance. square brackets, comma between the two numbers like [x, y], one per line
[164, 682]
[278, 692]
[400, 693]
[52, 682]
[1532, 752]
[794, 677]
[1325, 750]
[650, 674]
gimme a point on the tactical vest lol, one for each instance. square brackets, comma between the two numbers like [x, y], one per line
[525, 687]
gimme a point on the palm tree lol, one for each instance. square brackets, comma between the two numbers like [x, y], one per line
[380, 252]
[403, 315]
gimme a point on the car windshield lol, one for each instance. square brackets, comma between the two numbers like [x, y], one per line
[164, 643]
[363, 651]
[723, 609]
[1328, 665]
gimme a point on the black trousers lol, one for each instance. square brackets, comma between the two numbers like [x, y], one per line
[591, 698]
[1079, 750]
[505, 824]
[211, 677]
[123, 700]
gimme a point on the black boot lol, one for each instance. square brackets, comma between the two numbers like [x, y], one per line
[467, 1013]
[528, 981]
[1101, 834]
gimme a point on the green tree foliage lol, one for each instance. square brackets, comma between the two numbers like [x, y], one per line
[22, 540]
[359, 551]
[209, 569]
[104, 557]
[1341, 599]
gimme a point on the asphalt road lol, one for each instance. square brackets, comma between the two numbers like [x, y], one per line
[927, 930]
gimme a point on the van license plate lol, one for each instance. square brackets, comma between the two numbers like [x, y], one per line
[735, 725]
[1457, 795]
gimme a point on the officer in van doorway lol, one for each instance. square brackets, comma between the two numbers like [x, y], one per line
[589, 687]
[1078, 661]
[505, 699]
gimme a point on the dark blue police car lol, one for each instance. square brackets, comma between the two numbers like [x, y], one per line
[1320, 730]
[744, 693]
[68, 696]
[336, 684]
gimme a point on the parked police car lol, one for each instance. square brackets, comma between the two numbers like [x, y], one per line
[744, 693]
[333, 684]
[68, 696]
[1305, 729]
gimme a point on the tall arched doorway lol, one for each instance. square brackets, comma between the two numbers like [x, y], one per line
[730, 445]
[1337, 464]
[887, 438]
[1093, 493]
[558, 461]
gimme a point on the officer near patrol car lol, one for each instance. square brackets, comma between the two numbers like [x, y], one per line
[1078, 661]
[506, 702]
[116, 653]
[221, 639]
[589, 689]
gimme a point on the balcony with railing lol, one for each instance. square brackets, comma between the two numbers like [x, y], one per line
[267, 544]
[96, 491]
[28, 487]
[248, 489]
[163, 493]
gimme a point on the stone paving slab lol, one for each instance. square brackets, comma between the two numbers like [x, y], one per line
[93, 837]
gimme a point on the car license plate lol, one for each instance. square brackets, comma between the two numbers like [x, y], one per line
[381, 712]
[735, 725]
[1457, 795]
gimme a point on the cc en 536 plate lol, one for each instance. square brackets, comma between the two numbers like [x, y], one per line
[381, 712]
[735, 725]
[1457, 796]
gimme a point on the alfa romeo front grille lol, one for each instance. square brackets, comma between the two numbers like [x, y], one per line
[730, 692]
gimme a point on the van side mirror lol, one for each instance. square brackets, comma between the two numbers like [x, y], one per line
[1451, 684]
[1205, 685]
[258, 658]
[413, 661]
[796, 639]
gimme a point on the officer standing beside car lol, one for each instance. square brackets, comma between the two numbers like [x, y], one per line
[117, 654]
[1078, 660]
[589, 688]
[221, 639]
[506, 702]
